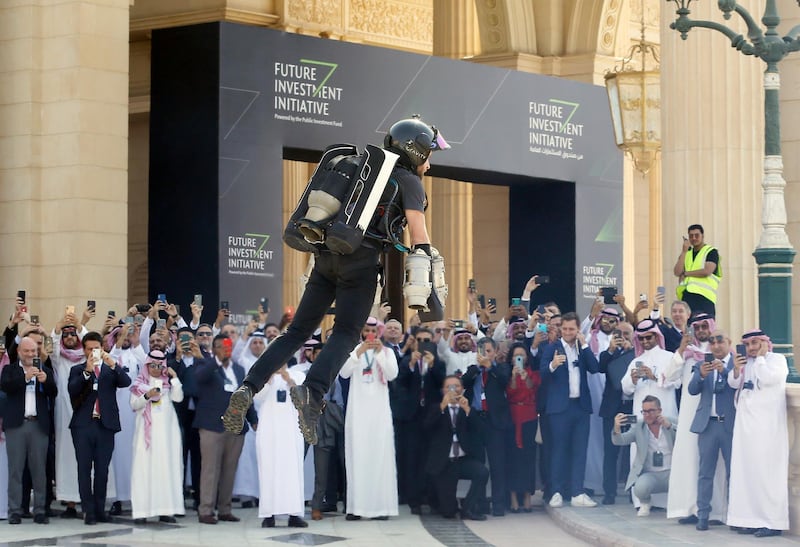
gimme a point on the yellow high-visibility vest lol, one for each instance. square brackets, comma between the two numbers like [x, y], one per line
[704, 286]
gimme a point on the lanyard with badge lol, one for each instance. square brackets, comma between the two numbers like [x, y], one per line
[366, 373]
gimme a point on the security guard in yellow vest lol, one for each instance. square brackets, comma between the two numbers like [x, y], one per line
[699, 270]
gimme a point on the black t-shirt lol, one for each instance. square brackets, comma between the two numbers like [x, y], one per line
[713, 256]
[412, 193]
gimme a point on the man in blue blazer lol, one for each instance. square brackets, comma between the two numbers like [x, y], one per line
[565, 364]
[29, 388]
[92, 389]
[713, 421]
[215, 379]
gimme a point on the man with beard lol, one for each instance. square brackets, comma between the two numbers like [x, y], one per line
[713, 421]
[458, 352]
[647, 375]
[614, 363]
[67, 352]
[682, 495]
[599, 335]
[271, 332]
[187, 355]
[130, 356]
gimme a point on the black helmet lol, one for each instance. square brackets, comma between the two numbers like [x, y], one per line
[414, 140]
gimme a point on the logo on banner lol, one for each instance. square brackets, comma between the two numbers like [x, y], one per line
[595, 276]
[304, 92]
[552, 129]
[247, 255]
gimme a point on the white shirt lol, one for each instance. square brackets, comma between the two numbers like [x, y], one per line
[574, 370]
[30, 396]
[657, 444]
[453, 417]
[229, 375]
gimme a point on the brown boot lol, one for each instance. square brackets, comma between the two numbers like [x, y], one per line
[316, 514]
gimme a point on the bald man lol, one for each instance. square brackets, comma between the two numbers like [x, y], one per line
[27, 424]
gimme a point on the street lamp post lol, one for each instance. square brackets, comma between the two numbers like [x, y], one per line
[774, 253]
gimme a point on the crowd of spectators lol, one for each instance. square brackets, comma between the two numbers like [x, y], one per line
[524, 399]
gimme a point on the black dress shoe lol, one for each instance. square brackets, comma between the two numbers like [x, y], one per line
[41, 518]
[609, 500]
[527, 509]
[691, 519]
[329, 508]
[15, 519]
[104, 517]
[702, 525]
[69, 513]
[715, 522]
[297, 522]
[206, 519]
[247, 504]
[747, 531]
[116, 509]
[514, 510]
[90, 520]
[766, 532]
[268, 522]
[140, 521]
[27, 515]
[498, 513]
[469, 515]
[382, 517]
[167, 519]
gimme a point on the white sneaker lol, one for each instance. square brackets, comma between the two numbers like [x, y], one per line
[644, 510]
[583, 501]
[556, 500]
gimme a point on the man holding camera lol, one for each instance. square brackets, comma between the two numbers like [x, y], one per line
[566, 364]
[93, 388]
[759, 499]
[614, 363]
[455, 451]
[714, 420]
[654, 438]
[27, 425]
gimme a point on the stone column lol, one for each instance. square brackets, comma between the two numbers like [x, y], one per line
[64, 155]
[451, 233]
[712, 130]
[295, 263]
[455, 29]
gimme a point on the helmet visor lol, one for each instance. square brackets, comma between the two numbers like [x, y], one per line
[438, 141]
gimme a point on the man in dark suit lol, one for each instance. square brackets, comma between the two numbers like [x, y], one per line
[215, 379]
[614, 364]
[485, 385]
[713, 421]
[92, 389]
[417, 386]
[29, 390]
[455, 451]
[565, 363]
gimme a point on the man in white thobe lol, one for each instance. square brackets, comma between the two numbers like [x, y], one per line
[67, 351]
[759, 497]
[368, 430]
[279, 447]
[647, 376]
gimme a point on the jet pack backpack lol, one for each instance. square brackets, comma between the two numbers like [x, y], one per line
[339, 202]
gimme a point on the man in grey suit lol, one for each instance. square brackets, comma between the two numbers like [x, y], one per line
[713, 421]
[654, 438]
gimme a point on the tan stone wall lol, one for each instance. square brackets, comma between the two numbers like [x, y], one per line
[63, 154]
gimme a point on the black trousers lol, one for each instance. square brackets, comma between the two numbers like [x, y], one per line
[522, 469]
[611, 453]
[446, 483]
[191, 449]
[411, 450]
[94, 445]
[496, 440]
[351, 281]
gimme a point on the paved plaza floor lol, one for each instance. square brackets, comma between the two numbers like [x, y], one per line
[615, 525]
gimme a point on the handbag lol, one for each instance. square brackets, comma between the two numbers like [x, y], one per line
[330, 424]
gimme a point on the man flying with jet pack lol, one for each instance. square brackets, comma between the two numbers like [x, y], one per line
[354, 206]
